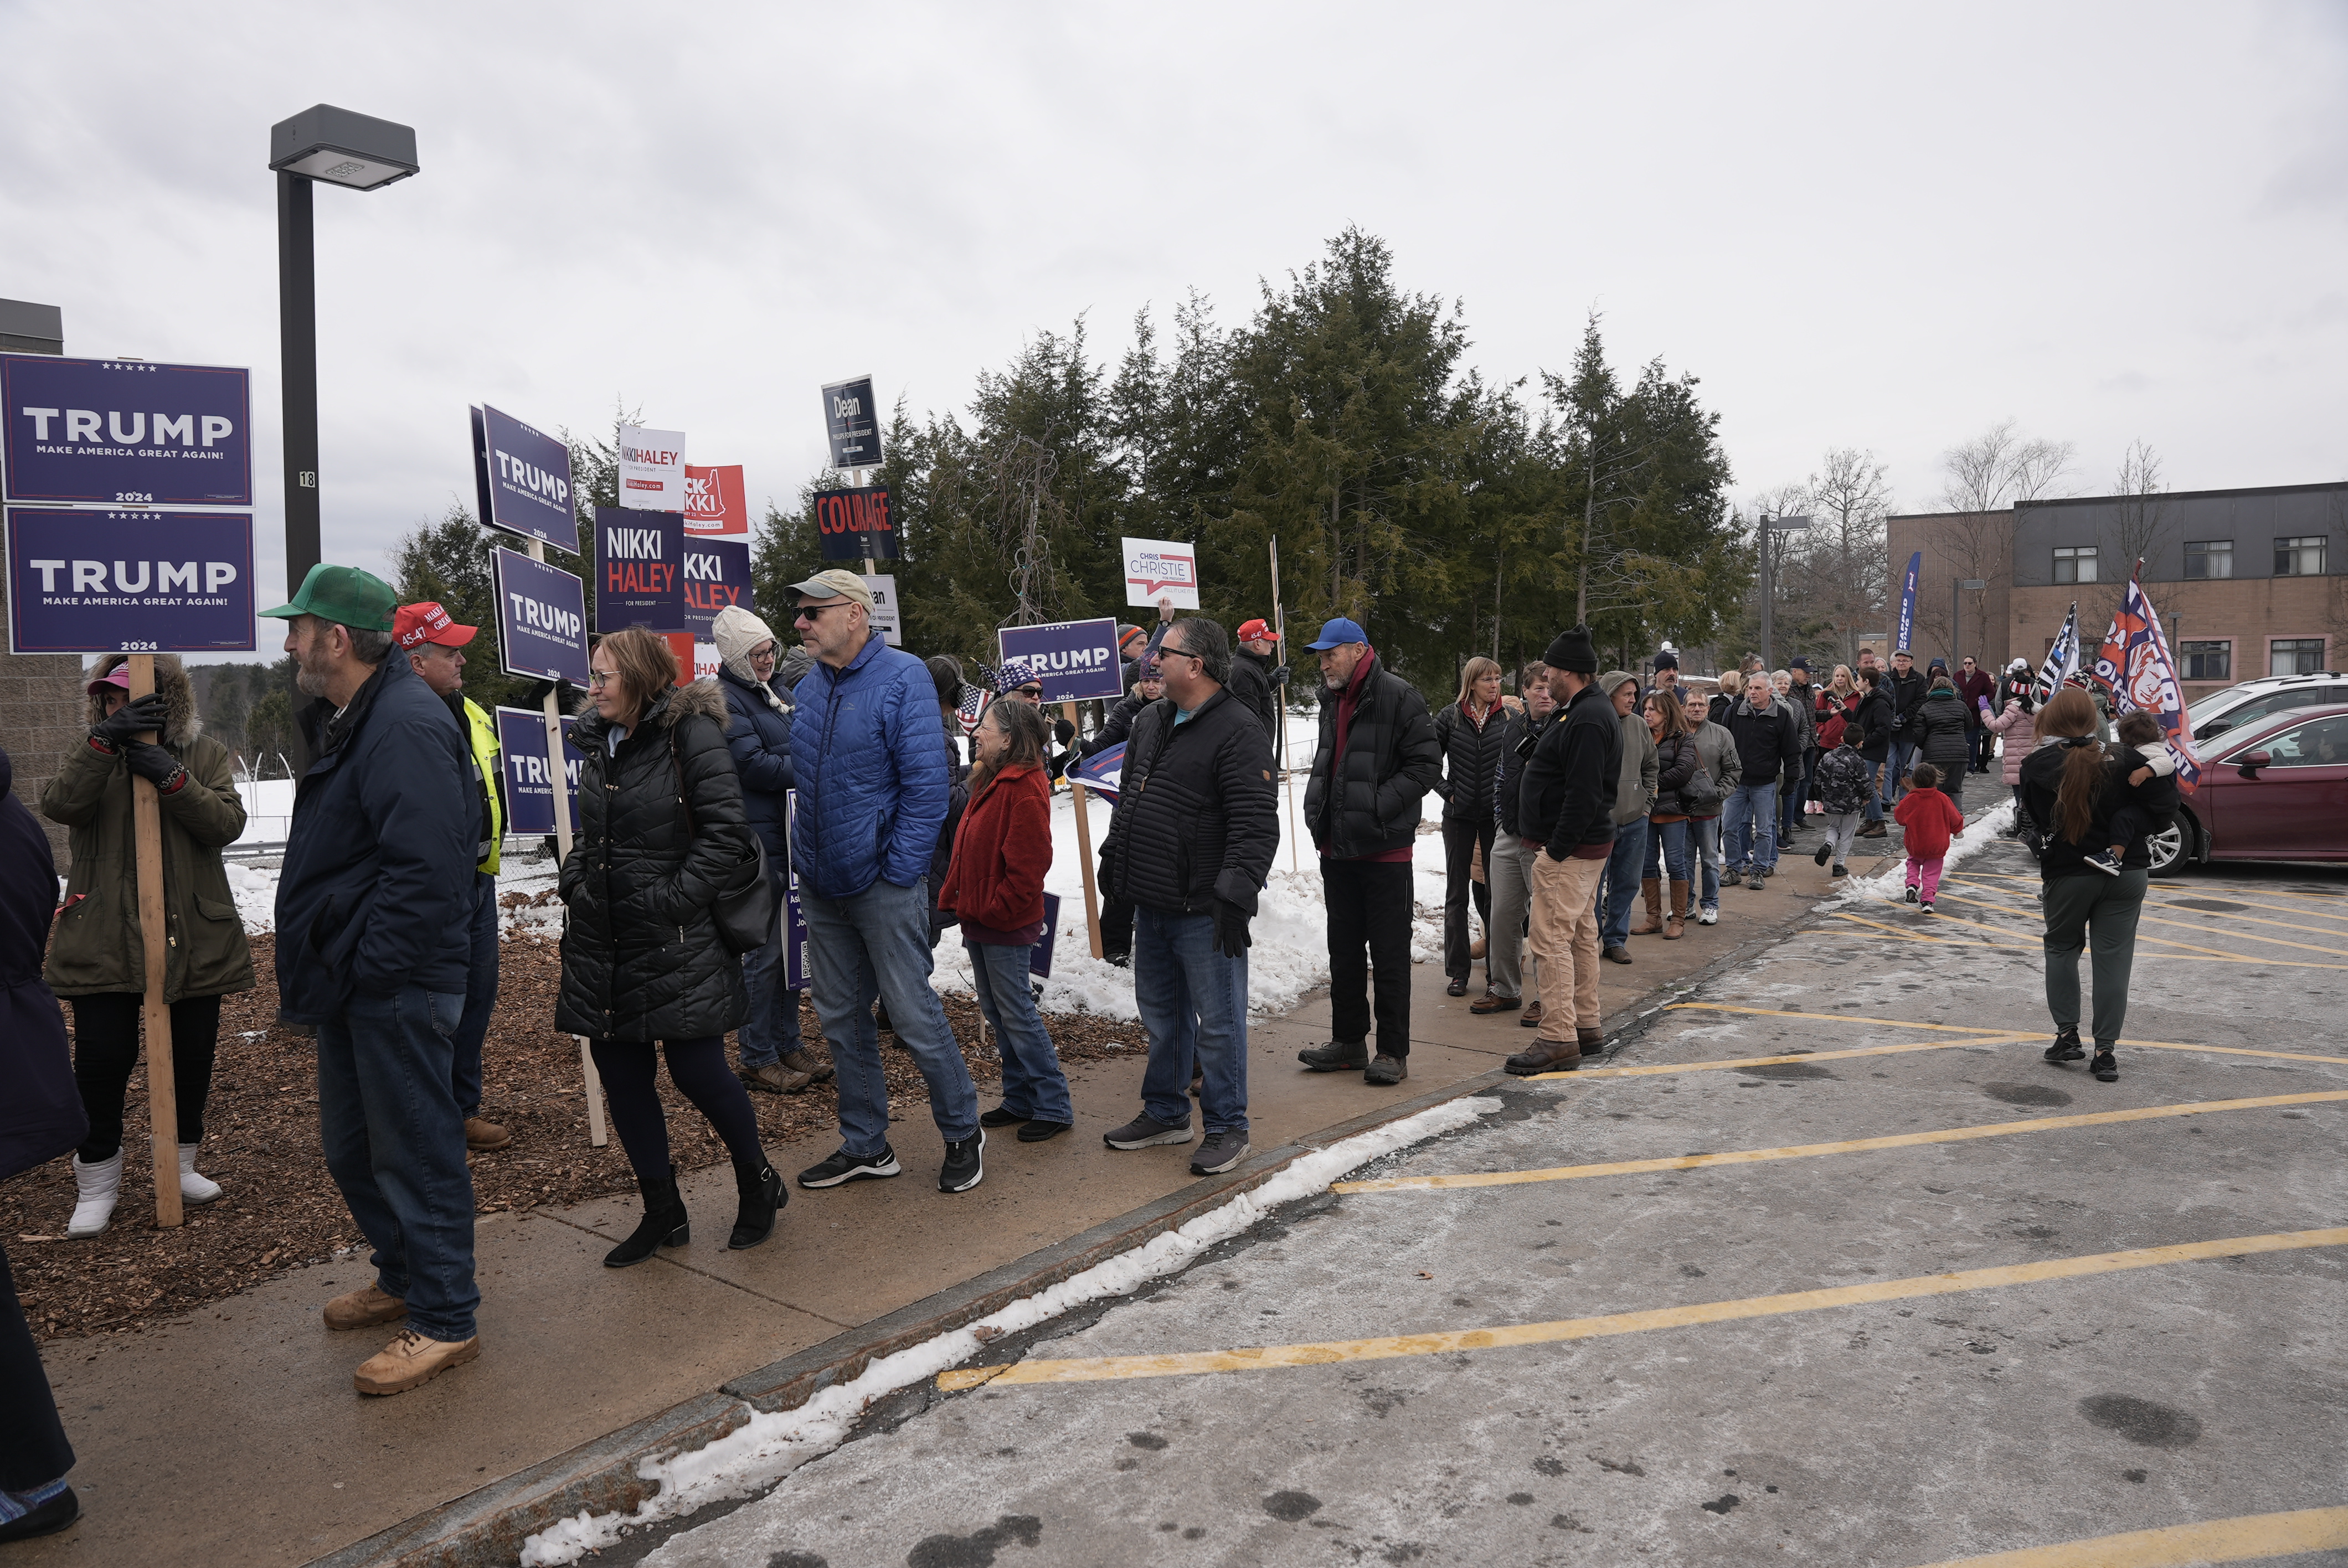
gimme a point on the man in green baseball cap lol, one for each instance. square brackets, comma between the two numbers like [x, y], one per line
[379, 878]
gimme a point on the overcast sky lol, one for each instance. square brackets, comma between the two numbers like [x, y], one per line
[1885, 226]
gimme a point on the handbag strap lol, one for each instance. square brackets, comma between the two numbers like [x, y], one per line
[676, 760]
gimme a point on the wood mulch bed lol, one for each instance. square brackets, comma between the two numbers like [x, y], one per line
[280, 1211]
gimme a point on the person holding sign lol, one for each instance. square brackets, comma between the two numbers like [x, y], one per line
[434, 645]
[376, 904]
[98, 960]
[994, 888]
[663, 836]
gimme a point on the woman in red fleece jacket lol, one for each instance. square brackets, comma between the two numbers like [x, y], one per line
[995, 887]
[1928, 819]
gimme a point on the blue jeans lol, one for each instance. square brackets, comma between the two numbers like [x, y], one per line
[877, 944]
[480, 997]
[1703, 842]
[1903, 757]
[1193, 1001]
[1876, 772]
[394, 1145]
[1790, 806]
[772, 1029]
[1750, 825]
[1624, 865]
[1033, 1084]
[1671, 842]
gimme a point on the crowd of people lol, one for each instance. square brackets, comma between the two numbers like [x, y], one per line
[923, 805]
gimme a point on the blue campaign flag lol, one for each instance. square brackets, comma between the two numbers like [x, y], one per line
[1100, 772]
[1908, 604]
[640, 569]
[717, 575]
[523, 476]
[129, 582]
[795, 929]
[122, 432]
[521, 738]
[1039, 956]
[541, 618]
[1075, 660]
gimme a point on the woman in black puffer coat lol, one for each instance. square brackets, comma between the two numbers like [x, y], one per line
[663, 832]
[1943, 737]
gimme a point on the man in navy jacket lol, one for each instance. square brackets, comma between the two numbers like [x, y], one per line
[375, 909]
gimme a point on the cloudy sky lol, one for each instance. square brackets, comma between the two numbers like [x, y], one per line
[1885, 226]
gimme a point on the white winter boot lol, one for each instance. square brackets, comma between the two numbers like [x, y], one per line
[194, 1188]
[95, 1189]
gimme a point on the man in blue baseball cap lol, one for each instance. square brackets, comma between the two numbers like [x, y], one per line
[1377, 758]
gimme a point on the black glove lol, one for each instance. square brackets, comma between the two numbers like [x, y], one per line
[151, 762]
[1064, 731]
[1230, 929]
[139, 714]
[1280, 674]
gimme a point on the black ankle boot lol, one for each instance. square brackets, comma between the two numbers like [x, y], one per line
[763, 1194]
[664, 1225]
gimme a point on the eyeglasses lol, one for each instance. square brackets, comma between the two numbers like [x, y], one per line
[602, 678]
[1178, 652]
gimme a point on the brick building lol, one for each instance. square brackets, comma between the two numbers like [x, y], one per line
[41, 703]
[2248, 582]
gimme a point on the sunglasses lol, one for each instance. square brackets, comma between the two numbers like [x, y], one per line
[811, 611]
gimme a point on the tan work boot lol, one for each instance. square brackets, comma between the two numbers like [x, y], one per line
[807, 1062]
[1654, 921]
[1545, 1056]
[410, 1361]
[1477, 949]
[1675, 915]
[1591, 1042]
[364, 1308]
[481, 1136]
[776, 1079]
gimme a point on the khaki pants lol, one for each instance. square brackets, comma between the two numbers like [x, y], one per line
[1565, 940]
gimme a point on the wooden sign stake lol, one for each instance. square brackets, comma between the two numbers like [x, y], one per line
[1084, 846]
[598, 1134]
[162, 1087]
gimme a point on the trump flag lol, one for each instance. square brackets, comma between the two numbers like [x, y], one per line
[2134, 667]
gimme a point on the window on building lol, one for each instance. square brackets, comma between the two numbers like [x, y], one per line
[2207, 660]
[2300, 556]
[2076, 563]
[2208, 559]
[2295, 656]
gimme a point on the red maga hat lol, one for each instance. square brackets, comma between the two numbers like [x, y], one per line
[414, 625]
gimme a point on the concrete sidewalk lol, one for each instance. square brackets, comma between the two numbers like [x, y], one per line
[233, 1436]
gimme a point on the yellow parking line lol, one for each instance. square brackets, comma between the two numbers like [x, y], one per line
[1950, 1027]
[1661, 1068]
[1919, 937]
[2172, 941]
[2219, 892]
[1099, 1369]
[2242, 1540]
[2206, 922]
[1847, 1146]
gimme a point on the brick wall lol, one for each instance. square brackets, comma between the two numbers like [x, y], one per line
[1988, 612]
[2250, 613]
[41, 714]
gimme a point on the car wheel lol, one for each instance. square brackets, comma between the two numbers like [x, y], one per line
[2166, 847]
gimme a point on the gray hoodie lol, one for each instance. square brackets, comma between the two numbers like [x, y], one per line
[1635, 786]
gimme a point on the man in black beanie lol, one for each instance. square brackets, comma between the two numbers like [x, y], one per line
[1566, 811]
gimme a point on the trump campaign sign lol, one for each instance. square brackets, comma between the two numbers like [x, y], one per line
[639, 570]
[129, 582]
[714, 502]
[523, 476]
[850, 525]
[125, 432]
[1074, 659]
[717, 574]
[1161, 571]
[541, 620]
[530, 792]
[652, 470]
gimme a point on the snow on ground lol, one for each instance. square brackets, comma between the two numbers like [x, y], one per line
[770, 1445]
[1889, 885]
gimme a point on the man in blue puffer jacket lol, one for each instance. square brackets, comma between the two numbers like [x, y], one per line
[868, 753]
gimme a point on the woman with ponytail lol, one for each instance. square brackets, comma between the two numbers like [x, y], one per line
[2074, 790]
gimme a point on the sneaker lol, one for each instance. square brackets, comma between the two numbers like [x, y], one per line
[1337, 1056]
[410, 1361]
[804, 1061]
[1708, 915]
[46, 1518]
[1910, 894]
[2067, 1047]
[2102, 860]
[1001, 1116]
[1840, 870]
[1755, 883]
[773, 1078]
[1825, 854]
[1926, 906]
[1218, 1152]
[966, 1164]
[2105, 1066]
[844, 1167]
[1769, 870]
[1385, 1071]
[1623, 954]
[1043, 1132]
[364, 1308]
[1457, 987]
[1142, 1132]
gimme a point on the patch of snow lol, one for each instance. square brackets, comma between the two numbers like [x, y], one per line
[768, 1447]
[1889, 884]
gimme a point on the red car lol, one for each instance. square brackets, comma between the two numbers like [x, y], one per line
[2274, 789]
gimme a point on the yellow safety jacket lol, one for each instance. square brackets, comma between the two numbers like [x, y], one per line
[489, 777]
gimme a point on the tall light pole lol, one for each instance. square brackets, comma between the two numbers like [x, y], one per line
[1770, 525]
[340, 148]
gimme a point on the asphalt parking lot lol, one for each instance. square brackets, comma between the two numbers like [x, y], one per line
[1825, 1264]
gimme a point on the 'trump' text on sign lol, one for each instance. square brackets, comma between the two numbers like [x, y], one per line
[1075, 660]
[541, 620]
[129, 582]
[108, 432]
[523, 476]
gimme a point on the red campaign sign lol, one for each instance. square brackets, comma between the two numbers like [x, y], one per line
[713, 503]
[850, 524]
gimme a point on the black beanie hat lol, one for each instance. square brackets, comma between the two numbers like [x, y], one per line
[1572, 651]
[1667, 660]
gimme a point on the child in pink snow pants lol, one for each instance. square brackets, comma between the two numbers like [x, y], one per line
[1928, 820]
